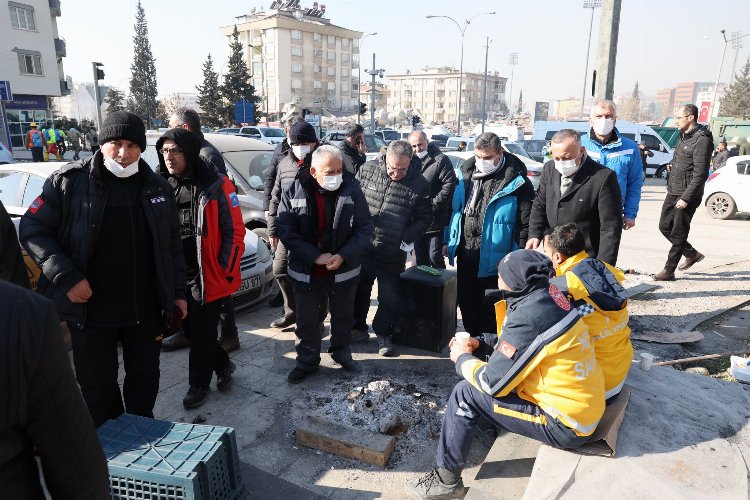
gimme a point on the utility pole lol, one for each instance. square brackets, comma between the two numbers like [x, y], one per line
[609, 30]
[359, 75]
[593, 5]
[98, 75]
[513, 61]
[373, 72]
[484, 89]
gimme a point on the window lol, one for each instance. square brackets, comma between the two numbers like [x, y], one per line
[22, 16]
[33, 189]
[317, 37]
[296, 35]
[257, 68]
[743, 168]
[355, 58]
[296, 85]
[356, 42]
[331, 55]
[345, 57]
[331, 40]
[345, 72]
[345, 87]
[296, 50]
[331, 85]
[30, 63]
[296, 68]
[10, 187]
[317, 84]
[270, 51]
[429, 94]
[316, 68]
[652, 142]
[270, 67]
[331, 71]
[345, 42]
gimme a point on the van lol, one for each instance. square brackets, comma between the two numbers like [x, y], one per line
[656, 165]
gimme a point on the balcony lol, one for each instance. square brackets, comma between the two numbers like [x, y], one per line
[60, 47]
[64, 89]
[54, 8]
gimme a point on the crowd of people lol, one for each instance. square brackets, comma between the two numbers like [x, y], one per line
[54, 142]
[537, 284]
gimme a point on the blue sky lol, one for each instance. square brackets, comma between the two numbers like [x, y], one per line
[661, 42]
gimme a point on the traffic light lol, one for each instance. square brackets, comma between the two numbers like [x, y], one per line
[415, 120]
[362, 108]
[98, 73]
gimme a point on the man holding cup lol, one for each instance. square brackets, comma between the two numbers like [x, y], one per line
[541, 379]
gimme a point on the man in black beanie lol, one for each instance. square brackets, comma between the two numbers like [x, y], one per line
[537, 376]
[105, 234]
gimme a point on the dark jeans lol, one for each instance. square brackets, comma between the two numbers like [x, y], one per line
[228, 323]
[309, 304]
[477, 314]
[206, 354]
[429, 250]
[388, 299]
[37, 153]
[466, 405]
[674, 224]
[96, 363]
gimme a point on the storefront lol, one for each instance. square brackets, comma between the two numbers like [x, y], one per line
[20, 112]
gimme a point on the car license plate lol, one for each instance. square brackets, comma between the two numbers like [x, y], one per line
[249, 284]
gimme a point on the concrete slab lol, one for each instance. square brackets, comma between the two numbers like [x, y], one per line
[506, 469]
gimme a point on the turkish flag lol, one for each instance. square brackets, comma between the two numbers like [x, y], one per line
[705, 116]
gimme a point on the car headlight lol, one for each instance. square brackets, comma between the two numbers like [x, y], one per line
[264, 252]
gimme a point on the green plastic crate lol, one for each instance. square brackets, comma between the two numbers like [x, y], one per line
[155, 460]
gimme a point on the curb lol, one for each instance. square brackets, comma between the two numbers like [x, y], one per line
[693, 325]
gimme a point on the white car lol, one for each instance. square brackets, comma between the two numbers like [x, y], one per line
[21, 183]
[269, 135]
[5, 155]
[533, 168]
[373, 142]
[727, 191]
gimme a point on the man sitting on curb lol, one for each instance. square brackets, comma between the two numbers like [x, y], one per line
[594, 289]
[540, 380]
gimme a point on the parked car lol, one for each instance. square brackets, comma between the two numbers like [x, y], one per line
[269, 135]
[388, 135]
[5, 155]
[21, 183]
[535, 148]
[533, 167]
[231, 130]
[727, 191]
[440, 140]
[373, 142]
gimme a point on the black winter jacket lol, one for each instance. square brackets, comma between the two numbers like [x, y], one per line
[285, 174]
[278, 154]
[60, 229]
[692, 158]
[351, 156]
[12, 266]
[42, 411]
[592, 201]
[298, 229]
[437, 170]
[401, 211]
[211, 156]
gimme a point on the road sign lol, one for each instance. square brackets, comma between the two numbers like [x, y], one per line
[244, 112]
[5, 93]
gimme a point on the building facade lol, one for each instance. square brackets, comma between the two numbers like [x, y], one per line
[80, 103]
[433, 95]
[665, 99]
[295, 56]
[31, 54]
[381, 95]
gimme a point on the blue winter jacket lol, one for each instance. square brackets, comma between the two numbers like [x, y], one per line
[499, 235]
[623, 157]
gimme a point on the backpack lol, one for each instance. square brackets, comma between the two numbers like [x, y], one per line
[36, 139]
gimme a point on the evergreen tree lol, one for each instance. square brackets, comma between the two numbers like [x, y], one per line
[519, 109]
[115, 100]
[736, 102]
[142, 100]
[632, 108]
[209, 96]
[237, 84]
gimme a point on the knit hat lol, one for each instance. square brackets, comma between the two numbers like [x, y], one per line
[123, 125]
[521, 268]
[301, 132]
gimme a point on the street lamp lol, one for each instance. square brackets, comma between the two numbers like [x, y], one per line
[736, 45]
[461, 75]
[359, 74]
[593, 5]
[733, 39]
[513, 61]
[373, 72]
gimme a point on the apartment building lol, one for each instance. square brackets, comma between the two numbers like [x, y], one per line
[381, 95]
[665, 99]
[31, 54]
[433, 94]
[295, 56]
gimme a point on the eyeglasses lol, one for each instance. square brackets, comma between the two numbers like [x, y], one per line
[170, 151]
[394, 170]
[679, 117]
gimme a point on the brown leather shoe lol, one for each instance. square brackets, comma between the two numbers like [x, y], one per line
[689, 261]
[665, 275]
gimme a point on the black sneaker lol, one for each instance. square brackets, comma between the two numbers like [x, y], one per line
[224, 379]
[346, 362]
[284, 321]
[229, 343]
[430, 486]
[175, 342]
[195, 397]
[298, 375]
[385, 346]
[360, 335]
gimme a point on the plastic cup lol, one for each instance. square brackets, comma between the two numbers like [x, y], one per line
[646, 361]
[462, 335]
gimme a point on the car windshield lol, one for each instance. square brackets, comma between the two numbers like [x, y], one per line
[373, 143]
[253, 166]
[533, 146]
[517, 150]
[273, 132]
[391, 135]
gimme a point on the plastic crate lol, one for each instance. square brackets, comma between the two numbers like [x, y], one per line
[155, 460]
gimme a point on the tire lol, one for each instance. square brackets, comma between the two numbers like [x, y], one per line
[662, 173]
[721, 206]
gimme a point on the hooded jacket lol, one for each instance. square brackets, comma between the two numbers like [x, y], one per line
[595, 289]
[286, 172]
[12, 266]
[219, 232]
[61, 227]
[438, 172]
[690, 163]
[400, 210]
[279, 153]
[351, 157]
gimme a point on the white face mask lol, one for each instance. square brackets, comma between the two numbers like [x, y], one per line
[301, 151]
[603, 126]
[120, 171]
[332, 182]
[422, 154]
[486, 166]
[566, 167]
